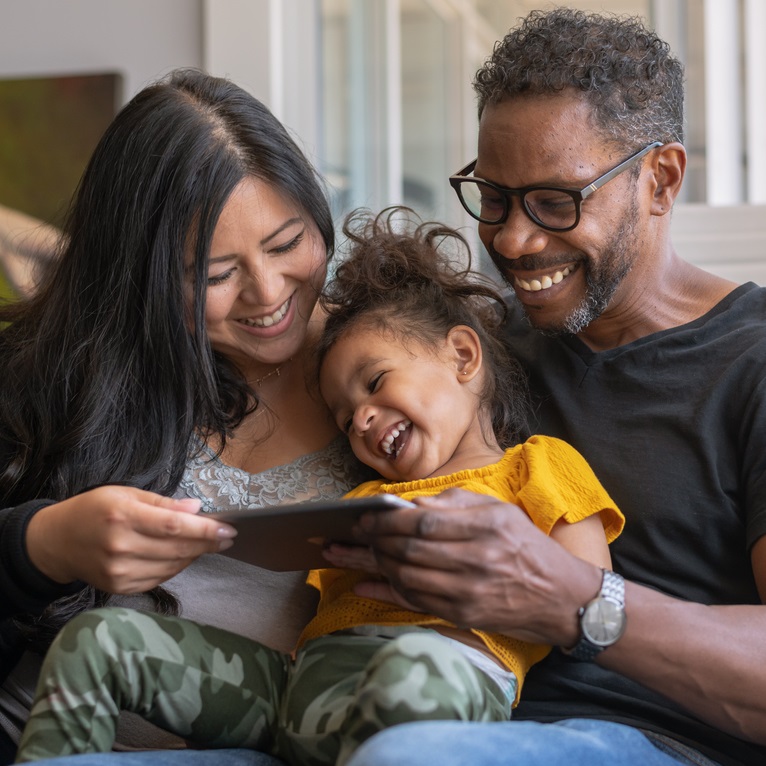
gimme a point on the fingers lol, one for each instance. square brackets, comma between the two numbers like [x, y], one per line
[190, 504]
[164, 518]
[453, 515]
[382, 591]
[449, 539]
[427, 591]
[357, 557]
[187, 504]
[121, 539]
[169, 525]
[471, 559]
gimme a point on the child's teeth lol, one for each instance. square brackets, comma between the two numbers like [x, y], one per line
[387, 443]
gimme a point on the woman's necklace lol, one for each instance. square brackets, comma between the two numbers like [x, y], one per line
[276, 371]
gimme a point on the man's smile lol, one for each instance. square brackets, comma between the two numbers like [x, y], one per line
[543, 282]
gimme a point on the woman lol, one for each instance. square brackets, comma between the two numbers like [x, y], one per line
[166, 352]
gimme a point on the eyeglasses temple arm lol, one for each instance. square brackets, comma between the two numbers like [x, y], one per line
[608, 176]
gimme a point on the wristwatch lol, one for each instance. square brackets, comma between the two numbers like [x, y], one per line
[602, 620]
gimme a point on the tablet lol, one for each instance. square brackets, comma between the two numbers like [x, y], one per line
[291, 537]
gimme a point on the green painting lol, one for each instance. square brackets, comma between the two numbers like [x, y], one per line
[48, 130]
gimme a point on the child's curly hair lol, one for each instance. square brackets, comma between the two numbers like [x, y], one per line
[413, 280]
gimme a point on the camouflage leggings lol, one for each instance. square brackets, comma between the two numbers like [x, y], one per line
[219, 689]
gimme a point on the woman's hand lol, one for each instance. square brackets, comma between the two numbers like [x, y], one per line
[121, 539]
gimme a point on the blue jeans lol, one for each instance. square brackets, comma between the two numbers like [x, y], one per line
[170, 758]
[574, 742]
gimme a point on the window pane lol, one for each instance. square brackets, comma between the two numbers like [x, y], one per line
[425, 123]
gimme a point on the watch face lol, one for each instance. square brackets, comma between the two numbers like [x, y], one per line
[603, 622]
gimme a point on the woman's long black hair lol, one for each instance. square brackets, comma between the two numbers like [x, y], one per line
[107, 369]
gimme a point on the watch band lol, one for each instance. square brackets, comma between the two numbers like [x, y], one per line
[613, 590]
[613, 587]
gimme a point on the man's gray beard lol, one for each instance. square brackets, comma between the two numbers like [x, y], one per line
[591, 307]
[599, 293]
[594, 303]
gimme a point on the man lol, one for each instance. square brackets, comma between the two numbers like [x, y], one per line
[656, 372]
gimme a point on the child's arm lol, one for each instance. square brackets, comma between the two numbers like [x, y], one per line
[584, 539]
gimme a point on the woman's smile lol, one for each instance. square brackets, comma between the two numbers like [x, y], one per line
[269, 319]
[270, 325]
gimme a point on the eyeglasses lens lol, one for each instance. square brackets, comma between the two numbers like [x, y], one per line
[483, 202]
[549, 207]
[552, 208]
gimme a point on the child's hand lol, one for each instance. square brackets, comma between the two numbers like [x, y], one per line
[381, 590]
[362, 559]
[358, 557]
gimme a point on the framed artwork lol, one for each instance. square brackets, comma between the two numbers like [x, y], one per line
[48, 130]
[49, 127]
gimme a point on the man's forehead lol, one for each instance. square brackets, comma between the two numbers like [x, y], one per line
[539, 115]
[550, 136]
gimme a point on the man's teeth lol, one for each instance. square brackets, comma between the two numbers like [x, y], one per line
[535, 285]
[277, 316]
[387, 445]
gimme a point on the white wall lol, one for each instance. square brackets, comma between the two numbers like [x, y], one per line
[266, 46]
[270, 48]
[728, 241]
[139, 39]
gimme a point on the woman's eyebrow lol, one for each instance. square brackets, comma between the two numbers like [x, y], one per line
[284, 226]
[229, 256]
[220, 258]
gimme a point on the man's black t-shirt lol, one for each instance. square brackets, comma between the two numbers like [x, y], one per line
[674, 426]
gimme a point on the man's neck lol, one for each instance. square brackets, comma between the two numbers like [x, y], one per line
[680, 295]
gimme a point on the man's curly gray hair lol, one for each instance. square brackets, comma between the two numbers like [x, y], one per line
[625, 71]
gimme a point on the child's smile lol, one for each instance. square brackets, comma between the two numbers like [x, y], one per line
[396, 439]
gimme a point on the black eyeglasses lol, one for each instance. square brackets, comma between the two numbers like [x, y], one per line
[550, 207]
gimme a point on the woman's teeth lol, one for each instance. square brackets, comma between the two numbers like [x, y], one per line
[535, 285]
[270, 320]
[387, 444]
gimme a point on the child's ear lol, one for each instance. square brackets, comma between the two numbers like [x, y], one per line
[465, 346]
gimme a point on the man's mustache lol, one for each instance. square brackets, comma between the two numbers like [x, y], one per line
[534, 262]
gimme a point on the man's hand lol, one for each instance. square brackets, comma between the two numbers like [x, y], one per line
[481, 563]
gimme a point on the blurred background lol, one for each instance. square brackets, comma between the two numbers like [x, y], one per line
[377, 92]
